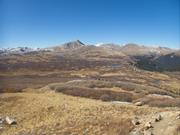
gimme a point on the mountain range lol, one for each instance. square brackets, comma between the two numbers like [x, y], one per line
[128, 49]
[149, 58]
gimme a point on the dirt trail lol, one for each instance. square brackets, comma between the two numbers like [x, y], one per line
[168, 125]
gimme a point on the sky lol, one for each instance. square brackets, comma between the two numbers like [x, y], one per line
[44, 23]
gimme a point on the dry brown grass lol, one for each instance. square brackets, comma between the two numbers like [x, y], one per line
[139, 82]
[165, 103]
[55, 113]
[116, 127]
[94, 93]
[112, 91]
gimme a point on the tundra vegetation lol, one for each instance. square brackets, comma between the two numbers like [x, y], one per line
[84, 89]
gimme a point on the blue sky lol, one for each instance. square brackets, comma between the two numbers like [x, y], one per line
[42, 23]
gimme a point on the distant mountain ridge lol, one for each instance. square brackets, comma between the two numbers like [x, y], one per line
[148, 58]
[128, 49]
[134, 49]
[18, 50]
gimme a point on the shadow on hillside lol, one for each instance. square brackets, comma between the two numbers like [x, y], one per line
[163, 63]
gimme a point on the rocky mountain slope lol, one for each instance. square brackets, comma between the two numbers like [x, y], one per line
[134, 49]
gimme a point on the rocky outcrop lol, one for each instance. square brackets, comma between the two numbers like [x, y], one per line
[178, 116]
[158, 118]
[138, 103]
[135, 121]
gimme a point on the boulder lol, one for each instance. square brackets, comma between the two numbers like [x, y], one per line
[1, 123]
[135, 121]
[178, 116]
[138, 103]
[158, 118]
[10, 121]
[148, 125]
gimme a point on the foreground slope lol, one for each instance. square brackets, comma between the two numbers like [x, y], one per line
[53, 113]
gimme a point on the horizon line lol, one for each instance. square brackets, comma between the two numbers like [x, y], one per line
[96, 44]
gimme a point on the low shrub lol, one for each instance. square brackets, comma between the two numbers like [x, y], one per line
[165, 103]
[119, 127]
[105, 97]
[159, 102]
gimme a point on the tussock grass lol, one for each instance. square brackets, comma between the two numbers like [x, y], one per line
[55, 113]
